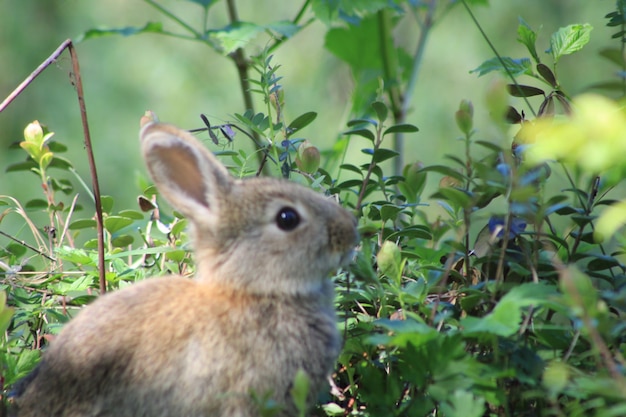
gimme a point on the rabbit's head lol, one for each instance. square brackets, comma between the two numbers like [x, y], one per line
[262, 234]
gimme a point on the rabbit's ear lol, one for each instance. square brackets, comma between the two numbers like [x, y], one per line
[183, 170]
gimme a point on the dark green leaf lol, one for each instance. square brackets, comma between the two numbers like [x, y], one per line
[349, 167]
[442, 169]
[524, 90]
[412, 232]
[22, 166]
[547, 74]
[602, 262]
[381, 110]
[380, 155]
[361, 122]
[367, 134]
[401, 128]
[36, 204]
[301, 121]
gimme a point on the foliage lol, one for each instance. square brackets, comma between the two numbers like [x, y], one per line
[524, 317]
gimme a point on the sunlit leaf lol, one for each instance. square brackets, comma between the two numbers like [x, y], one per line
[234, 36]
[527, 37]
[569, 39]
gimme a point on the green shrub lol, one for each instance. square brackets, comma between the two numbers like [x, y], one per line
[506, 304]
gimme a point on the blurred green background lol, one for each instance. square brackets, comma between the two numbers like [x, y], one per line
[124, 76]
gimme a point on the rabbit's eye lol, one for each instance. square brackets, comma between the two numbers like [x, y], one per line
[287, 219]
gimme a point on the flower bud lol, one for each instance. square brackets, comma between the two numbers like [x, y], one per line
[464, 116]
[308, 157]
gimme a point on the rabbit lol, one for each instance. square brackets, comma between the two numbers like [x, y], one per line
[259, 309]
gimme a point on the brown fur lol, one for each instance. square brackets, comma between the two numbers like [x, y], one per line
[259, 309]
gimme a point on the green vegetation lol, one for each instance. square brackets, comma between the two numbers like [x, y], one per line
[508, 301]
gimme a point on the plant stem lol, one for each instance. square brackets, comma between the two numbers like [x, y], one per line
[495, 51]
[92, 165]
[425, 29]
[175, 18]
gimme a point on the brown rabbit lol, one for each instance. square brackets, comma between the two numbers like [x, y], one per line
[259, 309]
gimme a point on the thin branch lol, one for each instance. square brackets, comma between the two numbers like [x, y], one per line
[495, 51]
[92, 165]
[23, 243]
[174, 17]
[52, 58]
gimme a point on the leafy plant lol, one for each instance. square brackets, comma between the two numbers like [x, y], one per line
[505, 303]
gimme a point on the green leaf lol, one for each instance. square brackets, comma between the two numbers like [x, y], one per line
[614, 55]
[285, 28]
[122, 241]
[131, 214]
[107, 203]
[527, 37]
[301, 121]
[22, 166]
[380, 155]
[5, 313]
[381, 110]
[506, 318]
[515, 66]
[401, 128]
[234, 36]
[176, 255]
[524, 90]
[82, 224]
[346, 43]
[569, 39]
[463, 403]
[367, 134]
[150, 27]
[328, 11]
[547, 75]
[445, 170]
[390, 261]
[76, 256]
[114, 223]
[37, 203]
[300, 391]
[461, 198]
